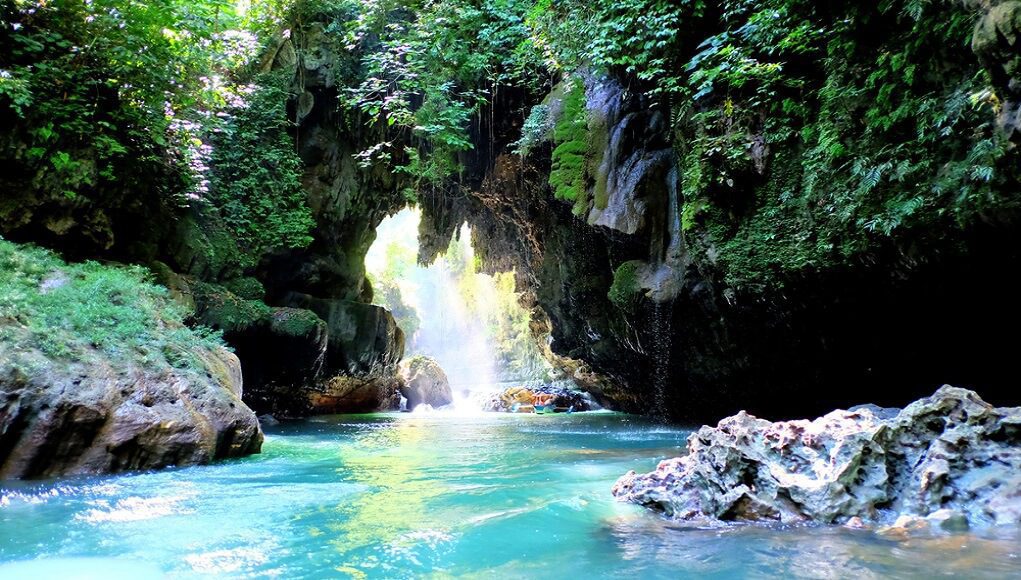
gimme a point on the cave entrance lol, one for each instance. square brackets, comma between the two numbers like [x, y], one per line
[471, 323]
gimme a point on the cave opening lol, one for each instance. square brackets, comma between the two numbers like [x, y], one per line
[470, 322]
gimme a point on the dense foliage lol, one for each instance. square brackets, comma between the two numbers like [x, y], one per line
[806, 136]
[89, 310]
[110, 108]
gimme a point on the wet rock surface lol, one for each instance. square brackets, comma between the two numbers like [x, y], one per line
[424, 383]
[347, 394]
[558, 396]
[102, 417]
[948, 461]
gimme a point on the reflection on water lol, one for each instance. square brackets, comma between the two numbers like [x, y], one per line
[395, 496]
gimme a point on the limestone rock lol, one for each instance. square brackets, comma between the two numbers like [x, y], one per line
[948, 452]
[994, 41]
[59, 418]
[424, 383]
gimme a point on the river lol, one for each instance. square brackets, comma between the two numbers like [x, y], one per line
[402, 495]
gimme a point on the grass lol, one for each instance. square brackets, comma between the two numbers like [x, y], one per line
[86, 311]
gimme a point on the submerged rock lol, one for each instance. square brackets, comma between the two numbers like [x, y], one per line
[425, 383]
[102, 417]
[951, 456]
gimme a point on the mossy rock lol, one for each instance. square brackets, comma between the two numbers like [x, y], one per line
[222, 309]
[571, 137]
[246, 287]
[296, 322]
[625, 290]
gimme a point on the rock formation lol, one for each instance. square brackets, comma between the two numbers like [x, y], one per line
[101, 417]
[559, 396]
[424, 383]
[951, 456]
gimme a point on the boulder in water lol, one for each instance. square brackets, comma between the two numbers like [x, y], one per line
[64, 418]
[951, 451]
[425, 383]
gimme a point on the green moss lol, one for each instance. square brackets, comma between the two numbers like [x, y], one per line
[221, 309]
[625, 290]
[571, 137]
[89, 310]
[296, 322]
[246, 287]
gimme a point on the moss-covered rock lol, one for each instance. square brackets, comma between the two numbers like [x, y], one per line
[625, 290]
[571, 138]
[98, 373]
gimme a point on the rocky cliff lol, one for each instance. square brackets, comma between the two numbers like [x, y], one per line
[99, 374]
[694, 285]
[779, 206]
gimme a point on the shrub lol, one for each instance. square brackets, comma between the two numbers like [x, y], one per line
[88, 310]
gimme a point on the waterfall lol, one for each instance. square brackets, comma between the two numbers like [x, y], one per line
[470, 323]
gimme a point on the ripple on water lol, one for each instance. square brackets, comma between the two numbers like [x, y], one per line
[398, 496]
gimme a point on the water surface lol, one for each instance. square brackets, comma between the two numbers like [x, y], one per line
[398, 496]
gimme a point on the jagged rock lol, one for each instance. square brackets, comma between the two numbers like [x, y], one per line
[950, 451]
[102, 417]
[635, 157]
[424, 383]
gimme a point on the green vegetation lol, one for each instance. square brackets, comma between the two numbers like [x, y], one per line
[224, 310]
[808, 136]
[88, 311]
[624, 292]
[570, 135]
[297, 322]
[535, 130]
[871, 143]
[256, 175]
[116, 110]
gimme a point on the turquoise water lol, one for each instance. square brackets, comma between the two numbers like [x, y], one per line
[399, 496]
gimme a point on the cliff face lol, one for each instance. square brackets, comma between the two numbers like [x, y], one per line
[834, 230]
[671, 302]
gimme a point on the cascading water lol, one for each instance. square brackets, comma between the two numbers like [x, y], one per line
[469, 322]
[660, 354]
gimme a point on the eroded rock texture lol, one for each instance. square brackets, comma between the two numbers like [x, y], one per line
[102, 417]
[950, 456]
